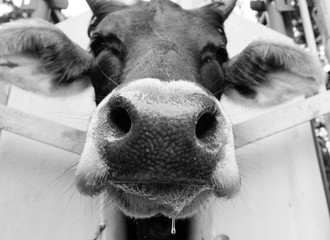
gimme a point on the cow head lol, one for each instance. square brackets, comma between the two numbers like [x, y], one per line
[159, 141]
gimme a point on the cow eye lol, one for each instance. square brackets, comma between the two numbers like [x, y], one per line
[98, 44]
[222, 55]
[208, 59]
[220, 30]
[214, 54]
[207, 56]
[110, 42]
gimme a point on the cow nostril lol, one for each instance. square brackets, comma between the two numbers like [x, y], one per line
[206, 125]
[121, 120]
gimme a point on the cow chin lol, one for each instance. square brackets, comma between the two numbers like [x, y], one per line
[174, 198]
[178, 201]
[145, 199]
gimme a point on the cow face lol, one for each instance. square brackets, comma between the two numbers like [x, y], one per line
[159, 141]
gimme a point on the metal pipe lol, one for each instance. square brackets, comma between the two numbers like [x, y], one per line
[307, 25]
[323, 15]
[276, 21]
[42, 11]
[310, 39]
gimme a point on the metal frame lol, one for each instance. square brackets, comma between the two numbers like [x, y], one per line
[255, 129]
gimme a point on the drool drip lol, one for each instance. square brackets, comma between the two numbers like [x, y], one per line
[173, 230]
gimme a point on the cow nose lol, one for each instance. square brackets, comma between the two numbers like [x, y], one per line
[202, 120]
[120, 118]
[206, 125]
[162, 131]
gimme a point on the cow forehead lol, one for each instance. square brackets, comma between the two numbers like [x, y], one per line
[142, 17]
[161, 18]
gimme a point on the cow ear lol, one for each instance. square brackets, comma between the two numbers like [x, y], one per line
[272, 73]
[37, 56]
[100, 9]
[224, 7]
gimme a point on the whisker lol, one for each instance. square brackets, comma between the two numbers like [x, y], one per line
[168, 75]
[223, 89]
[65, 177]
[98, 65]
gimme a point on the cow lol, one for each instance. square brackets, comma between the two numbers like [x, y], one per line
[159, 144]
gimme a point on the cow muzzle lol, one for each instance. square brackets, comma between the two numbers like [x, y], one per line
[158, 147]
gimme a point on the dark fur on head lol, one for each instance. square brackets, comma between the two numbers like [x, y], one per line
[211, 14]
[151, 44]
[102, 9]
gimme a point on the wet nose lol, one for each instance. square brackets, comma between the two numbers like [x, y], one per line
[194, 120]
[162, 131]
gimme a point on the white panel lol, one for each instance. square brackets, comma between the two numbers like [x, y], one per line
[37, 201]
[282, 194]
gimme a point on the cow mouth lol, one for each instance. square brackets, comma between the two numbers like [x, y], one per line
[174, 200]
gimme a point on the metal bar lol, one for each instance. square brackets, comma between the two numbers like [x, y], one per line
[308, 28]
[276, 21]
[72, 140]
[42, 130]
[321, 166]
[311, 43]
[4, 95]
[323, 15]
[42, 11]
[282, 119]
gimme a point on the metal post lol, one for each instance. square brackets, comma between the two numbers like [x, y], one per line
[308, 28]
[42, 11]
[311, 43]
[323, 15]
[4, 95]
[276, 21]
